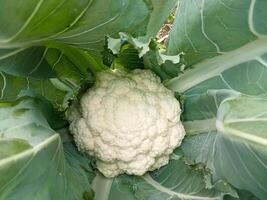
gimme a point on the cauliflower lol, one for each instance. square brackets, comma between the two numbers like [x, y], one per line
[128, 121]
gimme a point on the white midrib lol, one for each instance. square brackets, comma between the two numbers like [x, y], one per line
[200, 126]
[241, 134]
[207, 125]
[31, 151]
[101, 187]
[215, 66]
[163, 189]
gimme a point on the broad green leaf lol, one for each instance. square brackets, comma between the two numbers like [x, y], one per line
[205, 29]
[224, 91]
[217, 113]
[244, 118]
[63, 40]
[84, 23]
[234, 152]
[230, 31]
[12, 146]
[35, 164]
[174, 181]
[25, 62]
[11, 87]
[71, 68]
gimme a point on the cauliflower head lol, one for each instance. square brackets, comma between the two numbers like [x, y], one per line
[128, 121]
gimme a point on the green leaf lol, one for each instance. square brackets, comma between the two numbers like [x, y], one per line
[71, 22]
[72, 68]
[35, 164]
[174, 181]
[83, 24]
[11, 87]
[207, 29]
[134, 53]
[234, 151]
[245, 118]
[223, 86]
[12, 146]
[29, 62]
[243, 195]
[63, 40]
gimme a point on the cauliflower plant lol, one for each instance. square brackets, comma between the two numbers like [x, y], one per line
[128, 121]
